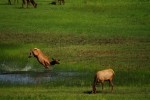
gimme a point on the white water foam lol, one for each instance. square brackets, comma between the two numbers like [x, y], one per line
[27, 68]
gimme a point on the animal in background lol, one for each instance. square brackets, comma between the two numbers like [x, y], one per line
[15, 1]
[101, 76]
[61, 1]
[42, 59]
[53, 3]
[27, 2]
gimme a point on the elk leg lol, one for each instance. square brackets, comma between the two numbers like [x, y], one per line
[102, 83]
[33, 3]
[23, 3]
[94, 84]
[9, 2]
[94, 88]
[63, 2]
[111, 84]
[28, 2]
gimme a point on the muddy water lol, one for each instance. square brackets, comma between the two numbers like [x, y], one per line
[29, 77]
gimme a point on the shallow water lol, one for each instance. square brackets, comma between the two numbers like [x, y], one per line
[30, 77]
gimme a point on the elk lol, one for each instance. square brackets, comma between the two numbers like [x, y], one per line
[61, 1]
[42, 59]
[101, 76]
[15, 1]
[27, 2]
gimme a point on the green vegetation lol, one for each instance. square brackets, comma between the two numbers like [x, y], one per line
[86, 35]
[74, 93]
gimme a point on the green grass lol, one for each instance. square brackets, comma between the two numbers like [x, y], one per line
[118, 18]
[75, 93]
[86, 35]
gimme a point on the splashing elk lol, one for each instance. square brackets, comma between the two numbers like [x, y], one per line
[101, 76]
[42, 59]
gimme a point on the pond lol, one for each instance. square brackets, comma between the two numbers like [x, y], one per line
[33, 77]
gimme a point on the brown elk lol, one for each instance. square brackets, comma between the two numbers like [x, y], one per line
[27, 2]
[42, 59]
[101, 76]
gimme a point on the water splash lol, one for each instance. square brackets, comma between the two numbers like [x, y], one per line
[27, 68]
[5, 67]
[10, 67]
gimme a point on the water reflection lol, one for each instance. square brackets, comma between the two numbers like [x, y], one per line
[27, 77]
[24, 77]
[16, 78]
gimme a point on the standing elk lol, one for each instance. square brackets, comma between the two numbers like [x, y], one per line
[27, 2]
[61, 1]
[42, 59]
[101, 76]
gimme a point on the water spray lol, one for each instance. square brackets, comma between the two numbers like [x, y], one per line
[27, 66]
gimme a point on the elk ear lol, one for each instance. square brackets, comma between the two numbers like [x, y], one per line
[35, 52]
[30, 54]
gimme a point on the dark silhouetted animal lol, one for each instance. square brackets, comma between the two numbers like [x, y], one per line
[27, 2]
[61, 2]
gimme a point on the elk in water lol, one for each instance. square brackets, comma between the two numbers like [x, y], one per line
[42, 59]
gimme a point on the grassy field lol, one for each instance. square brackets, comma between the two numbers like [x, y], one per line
[86, 35]
[74, 93]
